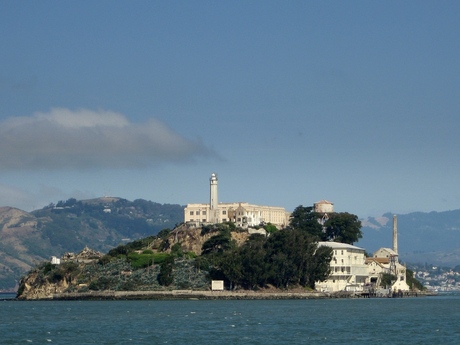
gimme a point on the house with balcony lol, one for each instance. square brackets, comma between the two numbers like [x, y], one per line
[349, 271]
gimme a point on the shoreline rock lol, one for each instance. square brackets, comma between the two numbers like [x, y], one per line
[202, 295]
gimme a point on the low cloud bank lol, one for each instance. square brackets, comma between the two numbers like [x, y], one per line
[84, 139]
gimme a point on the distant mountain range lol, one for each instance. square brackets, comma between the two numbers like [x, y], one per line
[68, 226]
[101, 224]
[432, 238]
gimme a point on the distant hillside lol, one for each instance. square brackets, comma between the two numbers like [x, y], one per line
[432, 237]
[102, 223]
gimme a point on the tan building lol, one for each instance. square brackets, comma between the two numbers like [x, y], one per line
[385, 260]
[323, 206]
[241, 213]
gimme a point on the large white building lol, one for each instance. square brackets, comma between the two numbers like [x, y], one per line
[241, 213]
[349, 271]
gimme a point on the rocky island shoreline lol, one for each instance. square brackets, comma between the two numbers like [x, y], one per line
[217, 295]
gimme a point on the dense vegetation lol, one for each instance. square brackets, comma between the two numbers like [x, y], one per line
[70, 225]
[283, 259]
[286, 258]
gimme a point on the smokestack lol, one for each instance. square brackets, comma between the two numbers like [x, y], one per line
[395, 234]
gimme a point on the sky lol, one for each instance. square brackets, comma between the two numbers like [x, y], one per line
[289, 102]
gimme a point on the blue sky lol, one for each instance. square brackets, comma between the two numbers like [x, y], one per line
[289, 102]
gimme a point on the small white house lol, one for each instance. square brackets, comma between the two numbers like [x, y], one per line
[55, 260]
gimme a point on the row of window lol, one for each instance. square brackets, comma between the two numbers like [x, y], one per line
[204, 220]
[198, 213]
[342, 269]
[203, 212]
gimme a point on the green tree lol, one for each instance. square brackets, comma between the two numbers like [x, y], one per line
[166, 277]
[270, 228]
[413, 283]
[304, 218]
[253, 261]
[217, 244]
[295, 259]
[387, 280]
[343, 227]
[231, 267]
[164, 233]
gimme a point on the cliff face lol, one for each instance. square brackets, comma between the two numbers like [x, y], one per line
[36, 286]
[191, 238]
[47, 279]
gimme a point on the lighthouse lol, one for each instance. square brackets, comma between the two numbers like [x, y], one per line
[213, 202]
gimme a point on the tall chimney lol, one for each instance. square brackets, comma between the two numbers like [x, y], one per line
[213, 202]
[395, 234]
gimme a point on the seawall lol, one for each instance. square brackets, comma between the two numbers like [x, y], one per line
[208, 295]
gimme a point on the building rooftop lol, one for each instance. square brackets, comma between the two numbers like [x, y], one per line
[338, 245]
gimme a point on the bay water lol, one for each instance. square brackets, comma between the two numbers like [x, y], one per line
[422, 320]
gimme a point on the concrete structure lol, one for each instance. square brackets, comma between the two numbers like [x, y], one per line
[395, 235]
[242, 214]
[323, 206]
[349, 271]
[385, 260]
[55, 260]
[213, 200]
[217, 285]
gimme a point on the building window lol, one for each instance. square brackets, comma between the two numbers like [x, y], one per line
[204, 213]
[197, 213]
[224, 219]
[224, 212]
[191, 213]
[204, 220]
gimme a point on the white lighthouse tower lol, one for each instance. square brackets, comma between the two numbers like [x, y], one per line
[213, 202]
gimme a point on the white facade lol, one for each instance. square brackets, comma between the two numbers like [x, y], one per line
[349, 271]
[388, 263]
[242, 214]
[55, 260]
[213, 199]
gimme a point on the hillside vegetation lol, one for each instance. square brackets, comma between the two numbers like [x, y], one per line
[189, 258]
[69, 226]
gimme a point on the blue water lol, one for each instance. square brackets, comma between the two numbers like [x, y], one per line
[423, 320]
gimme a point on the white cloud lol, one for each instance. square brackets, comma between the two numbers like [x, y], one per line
[82, 139]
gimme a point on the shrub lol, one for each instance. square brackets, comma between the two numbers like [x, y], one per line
[166, 277]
